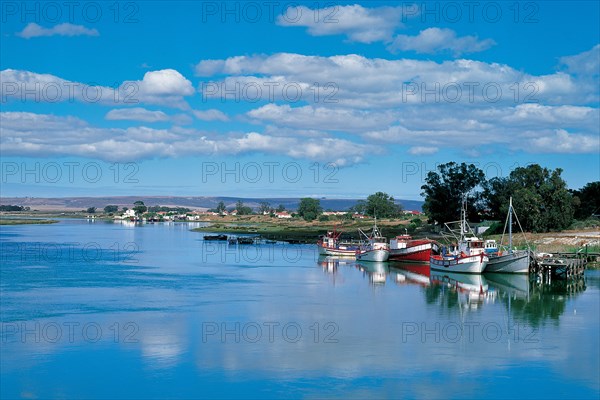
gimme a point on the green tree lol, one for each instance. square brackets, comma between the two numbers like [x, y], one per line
[91, 210]
[111, 209]
[139, 207]
[220, 207]
[309, 208]
[264, 207]
[588, 199]
[443, 191]
[280, 208]
[381, 205]
[242, 209]
[540, 198]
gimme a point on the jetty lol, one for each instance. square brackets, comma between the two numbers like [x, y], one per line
[558, 267]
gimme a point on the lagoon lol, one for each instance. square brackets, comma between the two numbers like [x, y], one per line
[96, 309]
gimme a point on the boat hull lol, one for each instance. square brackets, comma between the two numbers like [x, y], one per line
[375, 255]
[515, 263]
[467, 265]
[337, 252]
[420, 253]
[417, 250]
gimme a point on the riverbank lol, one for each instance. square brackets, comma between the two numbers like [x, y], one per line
[15, 221]
[298, 229]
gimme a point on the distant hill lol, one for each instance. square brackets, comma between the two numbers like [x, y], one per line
[81, 203]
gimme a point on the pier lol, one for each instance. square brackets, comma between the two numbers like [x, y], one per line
[562, 267]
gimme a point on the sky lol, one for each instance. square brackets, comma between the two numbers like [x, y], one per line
[290, 99]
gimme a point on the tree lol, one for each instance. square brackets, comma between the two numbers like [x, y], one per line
[444, 190]
[309, 208]
[381, 205]
[139, 207]
[242, 209]
[111, 209]
[280, 208]
[540, 198]
[220, 207]
[91, 210]
[588, 199]
[264, 207]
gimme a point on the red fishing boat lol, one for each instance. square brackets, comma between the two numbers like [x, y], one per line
[405, 248]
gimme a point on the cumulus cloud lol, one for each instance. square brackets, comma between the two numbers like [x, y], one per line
[434, 40]
[564, 142]
[41, 135]
[321, 118]
[34, 30]
[165, 87]
[357, 81]
[136, 114]
[211, 115]
[358, 23]
[423, 151]
[587, 63]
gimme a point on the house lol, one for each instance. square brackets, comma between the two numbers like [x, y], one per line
[412, 212]
[129, 214]
[283, 214]
[329, 213]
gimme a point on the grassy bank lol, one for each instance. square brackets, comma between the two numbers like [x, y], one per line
[15, 221]
[297, 229]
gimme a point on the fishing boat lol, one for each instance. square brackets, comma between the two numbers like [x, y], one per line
[508, 259]
[330, 245]
[405, 248]
[491, 246]
[468, 256]
[376, 247]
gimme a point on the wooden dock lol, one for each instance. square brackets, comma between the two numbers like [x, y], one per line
[563, 268]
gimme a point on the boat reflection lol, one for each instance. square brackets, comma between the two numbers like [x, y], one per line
[411, 274]
[513, 285]
[330, 264]
[533, 303]
[377, 271]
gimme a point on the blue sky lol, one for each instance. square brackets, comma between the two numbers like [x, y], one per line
[292, 99]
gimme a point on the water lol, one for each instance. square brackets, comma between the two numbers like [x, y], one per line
[107, 310]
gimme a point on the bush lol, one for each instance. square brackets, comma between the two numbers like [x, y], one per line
[324, 218]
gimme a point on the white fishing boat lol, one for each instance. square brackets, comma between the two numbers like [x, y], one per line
[508, 259]
[330, 245]
[376, 248]
[468, 256]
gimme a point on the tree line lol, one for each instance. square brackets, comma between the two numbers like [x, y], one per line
[540, 196]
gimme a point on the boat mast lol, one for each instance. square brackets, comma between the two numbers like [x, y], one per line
[463, 218]
[510, 211]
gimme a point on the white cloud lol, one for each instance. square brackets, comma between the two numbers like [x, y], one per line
[359, 24]
[423, 151]
[165, 87]
[34, 30]
[564, 142]
[434, 40]
[586, 63]
[167, 82]
[211, 115]
[136, 114]
[366, 83]
[38, 135]
[321, 118]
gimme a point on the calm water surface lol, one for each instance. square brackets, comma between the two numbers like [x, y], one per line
[107, 310]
